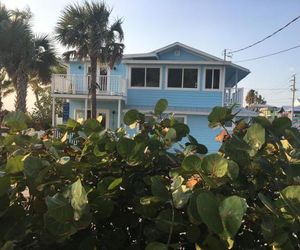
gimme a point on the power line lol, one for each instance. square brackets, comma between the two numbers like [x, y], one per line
[267, 37]
[268, 55]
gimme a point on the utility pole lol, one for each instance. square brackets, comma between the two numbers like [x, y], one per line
[293, 93]
[225, 54]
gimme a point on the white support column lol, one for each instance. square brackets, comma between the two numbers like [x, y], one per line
[53, 112]
[236, 88]
[119, 113]
[85, 108]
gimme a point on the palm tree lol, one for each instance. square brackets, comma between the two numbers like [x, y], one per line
[86, 31]
[6, 87]
[22, 54]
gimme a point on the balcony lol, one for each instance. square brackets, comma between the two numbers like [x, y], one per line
[233, 96]
[64, 84]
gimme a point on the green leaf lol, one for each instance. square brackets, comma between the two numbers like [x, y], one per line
[156, 246]
[59, 208]
[160, 106]
[255, 137]
[233, 170]
[116, 182]
[15, 164]
[131, 117]
[72, 124]
[208, 210]
[4, 185]
[291, 197]
[125, 146]
[232, 210]
[268, 203]
[32, 166]
[281, 124]
[191, 162]
[158, 188]
[57, 227]
[16, 121]
[79, 200]
[170, 136]
[181, 196]
[181, 129]
[219, 115]
[165, 219]
[92, 125]
[215, 165]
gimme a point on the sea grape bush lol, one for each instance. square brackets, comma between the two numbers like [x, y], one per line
[157, 190]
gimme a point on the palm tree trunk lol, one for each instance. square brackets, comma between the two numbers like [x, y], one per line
[21, 89]
[93, 86]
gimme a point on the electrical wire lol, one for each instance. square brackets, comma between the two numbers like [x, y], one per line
[268, 55]
[267, 37]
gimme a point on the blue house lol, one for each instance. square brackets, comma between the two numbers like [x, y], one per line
[191, 80]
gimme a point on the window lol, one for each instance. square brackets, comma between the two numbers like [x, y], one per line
[212, 79]
[145, 77]
[182, 78]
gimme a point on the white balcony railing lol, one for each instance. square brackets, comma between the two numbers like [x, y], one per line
[233, 96]
[80, 84]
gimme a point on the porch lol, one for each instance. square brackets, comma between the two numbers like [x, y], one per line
[233, 96]
[107, 85]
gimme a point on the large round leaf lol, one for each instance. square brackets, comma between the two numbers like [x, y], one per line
[131, 117]
[232, 210]
[16, 121]
[215, 165]
[161, 106]
[191, 162]
[79, 199]
[291, 196]
[280, 125]
[255, 137]
[15, 164]
[208, 210]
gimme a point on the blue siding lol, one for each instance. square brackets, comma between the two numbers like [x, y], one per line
[76, 68]
[184, 55]
[175, 97]
[199, 129]
[119, 70]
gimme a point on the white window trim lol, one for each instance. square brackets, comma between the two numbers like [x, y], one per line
[182, 67]
[144, 67]
[106, 111]
[182, 116]
[222, 78]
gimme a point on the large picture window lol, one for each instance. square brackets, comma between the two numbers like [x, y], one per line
[212, 79]
[145, 77]
[182, 78]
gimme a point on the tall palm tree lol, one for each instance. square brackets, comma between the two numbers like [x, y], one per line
[6, 87]
[22, 54]
[86, 31]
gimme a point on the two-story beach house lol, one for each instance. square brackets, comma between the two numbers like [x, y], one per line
[191, 80]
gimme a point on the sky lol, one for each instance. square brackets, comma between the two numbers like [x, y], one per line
[207, 25]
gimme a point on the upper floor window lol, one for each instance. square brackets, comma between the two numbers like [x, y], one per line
[145, 77]
[182, 78]
[212, 79]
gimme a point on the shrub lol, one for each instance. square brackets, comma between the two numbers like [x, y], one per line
[151, 191]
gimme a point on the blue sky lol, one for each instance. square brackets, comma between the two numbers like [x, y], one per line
[208, 25]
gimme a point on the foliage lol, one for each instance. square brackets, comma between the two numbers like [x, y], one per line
[150, 191]
[86, 29]
[42, 111]
[253, 97]
[22, 54]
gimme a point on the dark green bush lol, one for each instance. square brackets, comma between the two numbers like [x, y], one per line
[150, 192]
